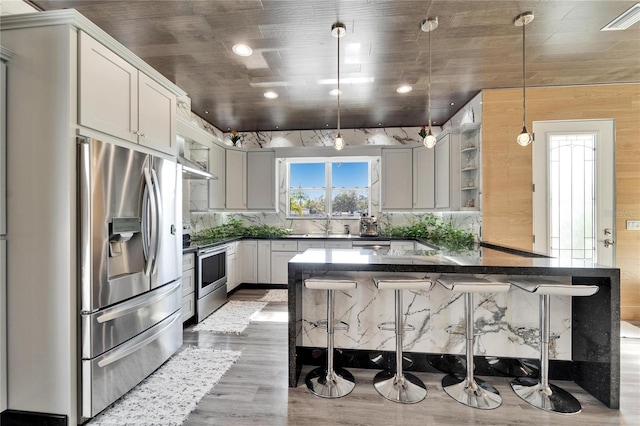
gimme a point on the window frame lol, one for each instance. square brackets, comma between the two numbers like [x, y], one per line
[328, 182]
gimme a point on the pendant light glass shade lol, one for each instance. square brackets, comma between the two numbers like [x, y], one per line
[524, 138]
[338, 30]
[338, 144]
[429, 25]
[429, 141]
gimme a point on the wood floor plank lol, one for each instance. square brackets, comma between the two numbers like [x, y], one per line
[254, 390]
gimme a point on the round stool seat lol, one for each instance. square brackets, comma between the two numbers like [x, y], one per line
[471, 284]
[402, 282]
[330, 282]
[539, 392]
[470, 390]
[555, 288]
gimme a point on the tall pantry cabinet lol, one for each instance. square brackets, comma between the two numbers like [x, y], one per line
[44, 102]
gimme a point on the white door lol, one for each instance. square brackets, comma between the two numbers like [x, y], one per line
[574, 189]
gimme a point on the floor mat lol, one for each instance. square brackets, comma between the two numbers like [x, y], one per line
[171, 392]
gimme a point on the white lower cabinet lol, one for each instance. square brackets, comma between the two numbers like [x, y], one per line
[247, 262]
[188, 286]
[232, 273]
[264, 262]
[282, 251]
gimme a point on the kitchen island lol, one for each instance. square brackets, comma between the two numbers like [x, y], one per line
[587, 350]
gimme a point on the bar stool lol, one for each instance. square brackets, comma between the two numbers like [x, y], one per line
[539, 392]
[471, 390]
[398, 386]
[330, 382]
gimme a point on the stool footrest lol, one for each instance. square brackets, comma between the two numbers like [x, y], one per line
[391, 326]
[337, 325]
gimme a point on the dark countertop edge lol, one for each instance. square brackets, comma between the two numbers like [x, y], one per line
[513, 250]
[464, 269]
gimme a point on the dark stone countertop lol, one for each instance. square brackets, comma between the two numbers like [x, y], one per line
[480, 260]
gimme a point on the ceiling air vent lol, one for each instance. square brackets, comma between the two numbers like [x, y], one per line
[624, 21]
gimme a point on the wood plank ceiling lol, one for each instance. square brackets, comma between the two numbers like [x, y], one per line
[476, 46]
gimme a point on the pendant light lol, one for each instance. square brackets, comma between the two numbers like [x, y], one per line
[524, 138]
[338, 30]
[429, 25]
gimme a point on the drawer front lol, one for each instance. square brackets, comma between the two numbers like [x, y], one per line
[338, 245]
[107, 377]
[188, 282]
[303, 245]
[188, 306]
[188, 261]
[110, 327]
[278, 245]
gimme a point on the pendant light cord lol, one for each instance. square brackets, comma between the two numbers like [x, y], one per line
[338, 82]
[429, 82]
[524, 93]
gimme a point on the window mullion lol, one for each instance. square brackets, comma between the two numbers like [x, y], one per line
[328, 205]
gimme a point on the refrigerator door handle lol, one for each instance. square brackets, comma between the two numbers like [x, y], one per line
[149, 236]
[158, 218]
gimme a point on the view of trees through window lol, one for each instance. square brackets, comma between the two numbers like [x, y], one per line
[336, 188]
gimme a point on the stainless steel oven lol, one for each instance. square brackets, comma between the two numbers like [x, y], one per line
[211, 289]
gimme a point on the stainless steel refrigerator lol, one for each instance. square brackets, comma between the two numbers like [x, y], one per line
[130, 248]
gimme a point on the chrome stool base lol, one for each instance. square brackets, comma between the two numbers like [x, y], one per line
[551, 398]
[477, 394]
[406, 390]
[340, 384]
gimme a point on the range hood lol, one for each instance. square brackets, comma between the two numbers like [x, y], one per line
[191, 170]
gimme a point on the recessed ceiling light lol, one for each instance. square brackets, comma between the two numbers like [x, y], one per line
[452, 103]
[335, 92]
[625, 20]
[270, 95]
[206, 112]
[404, 89]
[242, 49]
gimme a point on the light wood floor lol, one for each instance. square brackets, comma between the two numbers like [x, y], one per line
[254, 391]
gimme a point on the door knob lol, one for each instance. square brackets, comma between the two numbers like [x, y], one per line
[608, 243]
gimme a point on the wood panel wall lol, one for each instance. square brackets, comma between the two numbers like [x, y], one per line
[507, 167]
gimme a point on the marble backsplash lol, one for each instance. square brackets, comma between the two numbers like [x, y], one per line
[438, 318]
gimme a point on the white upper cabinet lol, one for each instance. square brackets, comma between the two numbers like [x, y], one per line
[424, 196]
[217, 166]
[442, 167]
[236, 180]
[118, 99]
[397, 179]
[156, 115]
[261, 180]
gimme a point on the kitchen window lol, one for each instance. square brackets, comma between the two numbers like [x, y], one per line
[335, 187]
